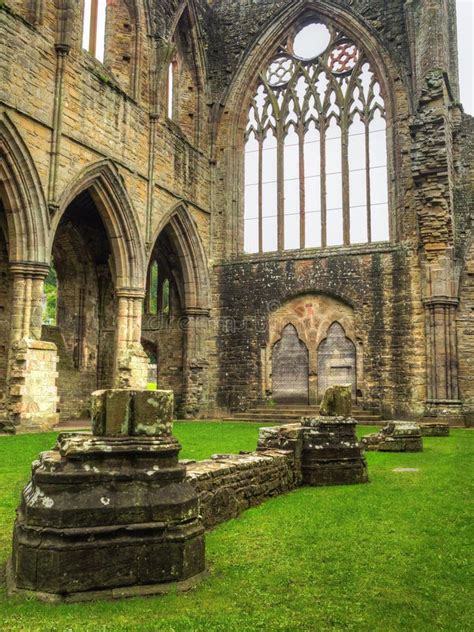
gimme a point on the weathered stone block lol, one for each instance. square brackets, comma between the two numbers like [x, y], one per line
[332, 455]
[152, 413]
[124, 412]
[396, 436]
[337, 401]
[435, 429]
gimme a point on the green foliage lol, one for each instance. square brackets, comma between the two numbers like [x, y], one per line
[165, 301]
[153, 289]
[393, 555]
[51, 295]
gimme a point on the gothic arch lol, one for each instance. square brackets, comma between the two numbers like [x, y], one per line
[184, 236]
[23, 198]
[337, 360]
[264, 46]
[290, 368]
[118, 214]
[229, 122]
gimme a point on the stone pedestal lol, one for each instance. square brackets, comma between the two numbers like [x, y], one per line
[110, 514]
[396, 436]
[332, 455]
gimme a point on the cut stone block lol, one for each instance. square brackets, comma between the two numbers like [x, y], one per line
[152, 413]
[127, 412]
[332, 455]
[435, 429]
[396, 436]
[337, 402]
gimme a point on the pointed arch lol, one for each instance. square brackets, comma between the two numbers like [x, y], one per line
[265, 44]
[200, 62]
[229, 120]
[290, 368]
[337, 360]
[115, 207]
[182, 231]
[23, 198]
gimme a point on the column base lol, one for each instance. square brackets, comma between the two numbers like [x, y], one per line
[145, 590]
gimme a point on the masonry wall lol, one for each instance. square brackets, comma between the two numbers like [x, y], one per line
[389, 323]
[227, 485]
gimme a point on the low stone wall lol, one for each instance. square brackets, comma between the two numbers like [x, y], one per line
[227, 485]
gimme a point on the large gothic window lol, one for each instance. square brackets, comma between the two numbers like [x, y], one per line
[316, 148]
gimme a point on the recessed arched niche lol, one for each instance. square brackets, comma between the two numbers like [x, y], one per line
[311, 346]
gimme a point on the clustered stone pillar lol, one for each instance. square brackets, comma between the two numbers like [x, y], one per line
[110, 514]
[441, 282]
[32, 376]
[131, 360]
[196, 365]
[326, 447]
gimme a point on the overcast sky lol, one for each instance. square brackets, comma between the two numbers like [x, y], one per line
[465, 10]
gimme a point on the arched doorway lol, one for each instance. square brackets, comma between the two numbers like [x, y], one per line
[162, 329]
[180, 292]
[336, 360]
[290, 369]
[83, 327]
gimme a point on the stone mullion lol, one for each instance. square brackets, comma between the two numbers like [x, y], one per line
[93, 27]
[301, 134]
[322, 138]
[345, 180]
[281, 186]
[260, 194]
[367, 179]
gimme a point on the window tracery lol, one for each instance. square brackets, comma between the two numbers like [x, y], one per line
[315, 147]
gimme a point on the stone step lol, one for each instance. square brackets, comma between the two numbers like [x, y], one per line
[287, 417]
[276, 420]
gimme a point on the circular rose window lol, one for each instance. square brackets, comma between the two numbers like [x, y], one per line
[311, 41]
[343, 57]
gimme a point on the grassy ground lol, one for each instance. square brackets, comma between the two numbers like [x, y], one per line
[392, 555]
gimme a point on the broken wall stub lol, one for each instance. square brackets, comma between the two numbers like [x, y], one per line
[396, 436]
[123, 484]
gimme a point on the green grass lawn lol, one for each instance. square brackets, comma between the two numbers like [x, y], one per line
[395, 554]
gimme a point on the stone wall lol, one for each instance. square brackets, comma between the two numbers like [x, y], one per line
[380, 289]
[227, 485]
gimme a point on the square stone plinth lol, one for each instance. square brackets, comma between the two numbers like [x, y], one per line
[128, 412]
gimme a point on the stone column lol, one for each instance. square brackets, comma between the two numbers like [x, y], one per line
[195, 324]
[32, 375]
[440, 300]
[131, 362]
